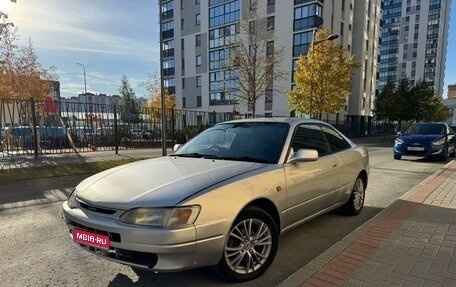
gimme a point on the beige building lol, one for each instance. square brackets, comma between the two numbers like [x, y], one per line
[451, 92]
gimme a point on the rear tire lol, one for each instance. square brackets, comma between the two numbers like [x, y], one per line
[355, 203]
[250, 247]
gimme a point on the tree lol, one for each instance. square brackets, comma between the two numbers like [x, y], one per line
[21, 75]
[153, 104]
[323, 77]
[409, 102]
[385, 106]
[253, 61]
[129, 108]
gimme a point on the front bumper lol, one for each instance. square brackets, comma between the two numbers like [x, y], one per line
[158, 249]
[428, 150]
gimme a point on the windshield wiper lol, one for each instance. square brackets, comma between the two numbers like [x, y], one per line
[198, 155]
[193, 154]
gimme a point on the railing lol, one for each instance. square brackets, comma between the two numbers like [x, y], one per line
[34, 128]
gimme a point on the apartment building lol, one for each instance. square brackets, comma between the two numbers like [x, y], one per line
[195, 33]
[414, 41]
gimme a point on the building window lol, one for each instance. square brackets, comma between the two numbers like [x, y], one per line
[198, 101]
[271, 2]
[198, 61]
[198, 19]
[197, 2]
[252, 27]
[183, 83]
[182, 23]
[224, 14]
[270, 23]
[306, 17]
[301, 43]
[198, 40]
[198, 81]
[183, 102]
[182, 44]
[270, 48]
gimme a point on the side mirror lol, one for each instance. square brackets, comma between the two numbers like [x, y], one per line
[304, 155]
[399, 133]
[176, 147]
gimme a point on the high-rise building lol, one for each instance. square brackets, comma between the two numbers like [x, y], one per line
[414, 41]
[195, 36]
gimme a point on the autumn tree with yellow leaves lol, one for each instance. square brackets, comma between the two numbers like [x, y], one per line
[153, 104]
[322, 77]
[21, 75]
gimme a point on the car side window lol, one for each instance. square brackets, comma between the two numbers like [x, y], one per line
[336, 141]
[310, 136]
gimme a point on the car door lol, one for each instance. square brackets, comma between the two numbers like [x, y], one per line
[348, 159]
[311, 186]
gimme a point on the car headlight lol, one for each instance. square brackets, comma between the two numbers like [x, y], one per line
[72, 202]
[399, 141]
[439, 142]
[174, 217]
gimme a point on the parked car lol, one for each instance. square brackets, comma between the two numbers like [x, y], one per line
[431, 140]
[221, 199]
[140, 134]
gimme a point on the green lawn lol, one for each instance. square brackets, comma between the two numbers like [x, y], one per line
[16, 174]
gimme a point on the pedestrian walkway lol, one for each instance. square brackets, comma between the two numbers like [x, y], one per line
[410, 243]
[68, 158]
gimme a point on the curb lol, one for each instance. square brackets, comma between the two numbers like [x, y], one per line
[318, 263]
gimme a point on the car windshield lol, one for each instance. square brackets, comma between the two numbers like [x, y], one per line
[426, 129]
[245, 141]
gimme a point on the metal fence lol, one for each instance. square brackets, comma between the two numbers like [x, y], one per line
[80, 127]
[29, 127]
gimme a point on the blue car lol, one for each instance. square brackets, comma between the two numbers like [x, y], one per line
[431, 140]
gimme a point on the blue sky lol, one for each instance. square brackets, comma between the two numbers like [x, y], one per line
[110, 38]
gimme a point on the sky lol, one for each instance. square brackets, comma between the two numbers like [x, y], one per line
[108, 37]
[111, 38]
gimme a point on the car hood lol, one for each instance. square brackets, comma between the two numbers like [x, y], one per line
[421, 139]
[163, 181]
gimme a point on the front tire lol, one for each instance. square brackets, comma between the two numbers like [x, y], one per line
[397, 156]
[355, 203]
[444, 155]
[250, 247]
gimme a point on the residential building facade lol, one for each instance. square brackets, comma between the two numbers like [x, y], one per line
[195, 35]
[414, 41]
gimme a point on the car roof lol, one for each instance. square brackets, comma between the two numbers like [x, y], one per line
[290, 121]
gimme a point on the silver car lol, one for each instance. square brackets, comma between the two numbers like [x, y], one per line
[221, 199]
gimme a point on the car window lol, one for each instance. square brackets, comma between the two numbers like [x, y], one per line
[253, 141]
[335, 140]
[310, 137]
[426, 129]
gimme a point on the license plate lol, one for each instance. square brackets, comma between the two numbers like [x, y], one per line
[416, 148]
[91, 238]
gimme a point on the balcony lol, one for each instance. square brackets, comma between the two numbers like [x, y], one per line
[168, 15]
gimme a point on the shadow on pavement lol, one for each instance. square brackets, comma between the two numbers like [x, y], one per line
[297, 248]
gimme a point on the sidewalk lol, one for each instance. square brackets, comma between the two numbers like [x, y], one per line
[410, 243]
[65, 158]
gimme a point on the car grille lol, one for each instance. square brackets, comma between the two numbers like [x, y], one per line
[96, 209]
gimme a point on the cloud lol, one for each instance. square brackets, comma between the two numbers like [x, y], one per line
[85, 29]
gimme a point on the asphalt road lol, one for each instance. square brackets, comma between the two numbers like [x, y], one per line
[36, 249]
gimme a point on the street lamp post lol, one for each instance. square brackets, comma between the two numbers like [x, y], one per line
[312, 45]
[85, 82]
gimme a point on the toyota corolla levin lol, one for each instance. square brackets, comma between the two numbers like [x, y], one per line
[431, 140]
[221, 199]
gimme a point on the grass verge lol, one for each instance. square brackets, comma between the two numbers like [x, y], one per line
[17, 174]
